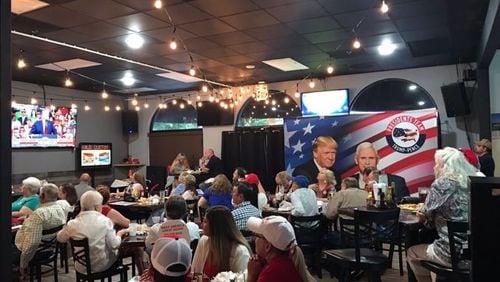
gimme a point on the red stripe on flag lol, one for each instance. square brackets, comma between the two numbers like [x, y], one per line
[424, 181]
[412, 160]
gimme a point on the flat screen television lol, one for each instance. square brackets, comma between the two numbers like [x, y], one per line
[95, 155]
[325, 103]
[34, 126]
[211, 113]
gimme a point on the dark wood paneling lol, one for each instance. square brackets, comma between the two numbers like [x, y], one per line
[164, 146]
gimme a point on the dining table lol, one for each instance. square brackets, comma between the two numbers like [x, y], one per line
[136, 210]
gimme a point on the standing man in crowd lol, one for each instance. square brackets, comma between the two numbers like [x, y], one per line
[211, 164]
[324, 152]
[366, 156]
[84, 185]
[486, 162]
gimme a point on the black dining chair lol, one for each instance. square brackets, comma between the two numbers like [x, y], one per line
[46, 255]
[367, 227]
[81, 255]
[459, 253]
[309, 233]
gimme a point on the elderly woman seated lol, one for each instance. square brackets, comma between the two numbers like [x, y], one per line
[104, 242]
[25, 205]
[116, 217]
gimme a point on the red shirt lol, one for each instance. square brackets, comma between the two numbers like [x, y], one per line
[281, 268]
[105, 210]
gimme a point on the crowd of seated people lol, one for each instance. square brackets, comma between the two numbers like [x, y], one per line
[233, 218]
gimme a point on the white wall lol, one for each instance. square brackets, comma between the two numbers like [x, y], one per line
[431, 79]
[95, 125]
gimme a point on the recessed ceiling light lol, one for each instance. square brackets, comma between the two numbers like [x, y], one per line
[250, 67]
[128, 79]
[24, 6]
[68, 65]
[179, 77]
[134, 41]
[386, 48]
[412, 87]
[286, 64]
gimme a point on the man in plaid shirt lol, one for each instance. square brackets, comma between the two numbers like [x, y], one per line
[48, 215]
[243, 209]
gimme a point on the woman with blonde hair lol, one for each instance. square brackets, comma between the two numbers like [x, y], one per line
[222, 247]
[179, 164]
[218, 194]
[326, 183]
[283, 182]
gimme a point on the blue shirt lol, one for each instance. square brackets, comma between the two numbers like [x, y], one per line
[178, 190]
[223, 199]
[31, 202]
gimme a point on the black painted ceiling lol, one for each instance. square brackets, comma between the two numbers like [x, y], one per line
[223, 36]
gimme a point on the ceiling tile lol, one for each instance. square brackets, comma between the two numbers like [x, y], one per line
[230, 38]
[270, 32]
[220, 8]
[107, 8]
[342, 6]
[250, 20]
[418, 8]
[165, 34]
[351, 19]
[327, 36]
[208, 63]
[314, 25]
[286, 42]
[376, 28]
[376, 40]
[334, 46]
[68, 36]
[59, 16]
[237, 60]
[138, 22]
[208, 27]
[31, 26]
[106, 30]
[423, 34]
[249, 47]
[180, 57]
[426, 22]
[181, 14]
[297, 11]
[217, 52]
[199, 43]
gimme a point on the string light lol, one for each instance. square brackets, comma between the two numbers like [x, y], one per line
[134, 102]
[192, 71]
[174, 102]
[118, 108]
[158, 4]
[173, 43]
[74, 106]
[106, 108]
[286, 100]
[211, 98]
[200, 104]
[384, 8]
[33, 101]
[356, 44]
[104, 94]
[146, 105]
[204, 88]
[312, 84]
[181, 105]
[137, 108]
[86, 107]
[21, 64]
[329, 69]
[198, 97]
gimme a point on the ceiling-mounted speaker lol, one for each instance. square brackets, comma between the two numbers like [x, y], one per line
[130, 122]
[455, 99]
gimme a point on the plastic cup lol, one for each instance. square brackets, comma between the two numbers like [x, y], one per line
[132, 229]
[156, 219]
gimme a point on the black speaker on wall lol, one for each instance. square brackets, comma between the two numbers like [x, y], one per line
[130, 122]
[455, 99]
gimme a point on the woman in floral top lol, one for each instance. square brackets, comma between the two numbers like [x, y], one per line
[448, 199]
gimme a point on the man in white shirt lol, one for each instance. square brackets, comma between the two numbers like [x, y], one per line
[303, 199]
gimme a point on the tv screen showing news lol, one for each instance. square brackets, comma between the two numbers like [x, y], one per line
[95, 155]
[42, 126]
[325, 103]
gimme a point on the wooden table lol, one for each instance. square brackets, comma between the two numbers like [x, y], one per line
[134, 241]
[134, 210]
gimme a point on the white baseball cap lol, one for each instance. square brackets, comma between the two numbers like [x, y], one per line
[275, 229]
[171, 256]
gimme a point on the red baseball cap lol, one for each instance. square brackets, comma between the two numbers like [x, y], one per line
[252, 178]
[470, 156]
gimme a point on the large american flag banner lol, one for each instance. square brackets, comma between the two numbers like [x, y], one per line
[405, 141]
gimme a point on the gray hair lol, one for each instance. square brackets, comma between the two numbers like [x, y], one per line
[33, 184]
[90, 200]
[365, 145]
[49, 192]
[452, 164]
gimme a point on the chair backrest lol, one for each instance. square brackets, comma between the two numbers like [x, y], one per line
[307, 229]
[372, 226]
[81, 253]
[458, 240]
[48, 243]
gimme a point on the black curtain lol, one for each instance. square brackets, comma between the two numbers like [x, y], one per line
[259, 151]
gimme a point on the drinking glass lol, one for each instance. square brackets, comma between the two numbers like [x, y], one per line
[422, 193]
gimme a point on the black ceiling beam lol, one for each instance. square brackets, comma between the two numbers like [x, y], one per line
[490, 37]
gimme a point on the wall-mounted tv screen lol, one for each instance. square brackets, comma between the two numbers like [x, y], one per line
[211, 113]
[325, 103]
[93, 155]
[42, 126]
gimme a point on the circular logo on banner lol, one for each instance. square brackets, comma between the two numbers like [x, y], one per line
[405, 134]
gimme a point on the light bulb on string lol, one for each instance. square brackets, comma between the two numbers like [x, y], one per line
[158, 4]
[181, 105]
[173, 43]
[21, 64]
[68, 82]
[329, 69]
[134, 102]
[146, 105]
[204, 88]
[384, 8]
[137, 108]
[297, 93]
[174, 102]
[286, 100]
[356, 44]
[211, 99]
[192, 71]
[106, 108]
[118, 108]
[74, 106]
[200, 104]
[198, 97]
[312, 84]
[86, 107]
[104, 94]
